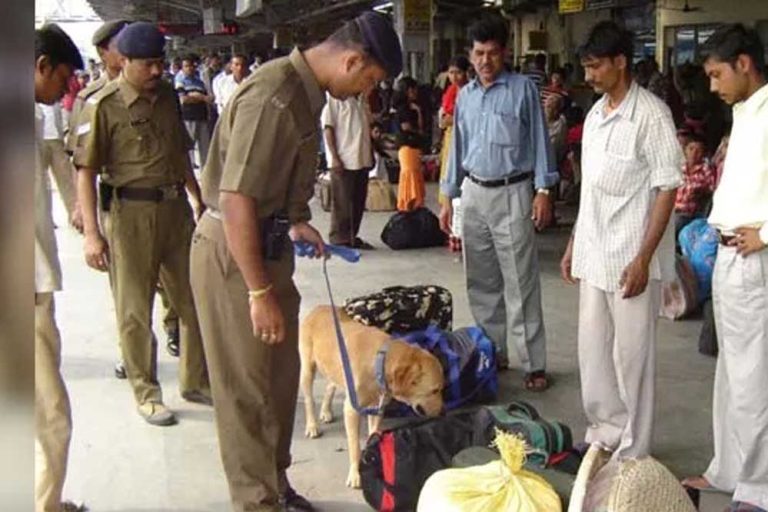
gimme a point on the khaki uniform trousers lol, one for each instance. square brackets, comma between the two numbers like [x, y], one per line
[53, 418]
[254, 385]
[150, 241]
[740, 408]
[55, 156]
[617, 360]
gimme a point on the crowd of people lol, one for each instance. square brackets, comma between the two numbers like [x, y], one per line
[192, 177]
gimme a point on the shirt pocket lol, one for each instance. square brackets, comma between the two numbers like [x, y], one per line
[620, 176]
[505, 128]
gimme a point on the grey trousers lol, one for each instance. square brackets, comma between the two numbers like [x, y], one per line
[502, 269]
[198, 132]
[617, 358]
[740, 409]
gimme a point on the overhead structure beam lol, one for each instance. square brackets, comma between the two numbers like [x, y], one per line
[324, 11]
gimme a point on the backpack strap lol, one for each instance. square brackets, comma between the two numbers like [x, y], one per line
[380, 367]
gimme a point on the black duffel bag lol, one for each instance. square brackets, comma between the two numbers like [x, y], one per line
[413, 230]
[396, 463]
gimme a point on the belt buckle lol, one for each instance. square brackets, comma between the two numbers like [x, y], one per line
[169, 192]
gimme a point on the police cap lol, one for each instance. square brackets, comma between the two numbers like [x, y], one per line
[107, 31]
[381, 41]
[141, 40]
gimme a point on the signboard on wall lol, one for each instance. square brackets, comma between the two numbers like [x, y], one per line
[600, 4]
[417, 15]
[570, 6]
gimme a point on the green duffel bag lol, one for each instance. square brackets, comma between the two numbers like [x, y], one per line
[545, 438]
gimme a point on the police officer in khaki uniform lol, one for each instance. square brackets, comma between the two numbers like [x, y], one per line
[135, 139]
[105, 41]
[256, 184]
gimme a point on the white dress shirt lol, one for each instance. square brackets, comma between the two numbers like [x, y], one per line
[741, 198]
[351, 123]
[224, 86]
[628, 155]
[47, 267]
[53, 121]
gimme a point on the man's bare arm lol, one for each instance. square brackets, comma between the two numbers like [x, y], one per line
[243, 234]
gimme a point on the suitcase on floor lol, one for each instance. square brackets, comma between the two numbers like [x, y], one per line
[324, 191]
[381, 197]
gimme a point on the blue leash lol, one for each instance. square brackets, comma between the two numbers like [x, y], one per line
[352, 256]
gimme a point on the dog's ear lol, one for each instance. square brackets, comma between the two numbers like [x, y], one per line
[404, 376]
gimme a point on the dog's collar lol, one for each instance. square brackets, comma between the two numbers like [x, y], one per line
[380, 367]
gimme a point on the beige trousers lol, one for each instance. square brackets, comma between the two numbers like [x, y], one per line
[254, 385]
[53, 418]
[740, 408]
[149, 242]
[617, 358]
[55, 156]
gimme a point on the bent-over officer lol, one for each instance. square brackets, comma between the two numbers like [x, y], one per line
[136, 141]
[256, 184]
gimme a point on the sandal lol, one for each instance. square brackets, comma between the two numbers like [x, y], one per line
[536, 381]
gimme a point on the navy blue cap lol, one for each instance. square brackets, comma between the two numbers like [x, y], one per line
[381, 41]
[141, 40]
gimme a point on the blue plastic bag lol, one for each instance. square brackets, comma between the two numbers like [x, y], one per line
[698, 241]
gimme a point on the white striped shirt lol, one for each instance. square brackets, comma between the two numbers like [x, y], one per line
[627, 156]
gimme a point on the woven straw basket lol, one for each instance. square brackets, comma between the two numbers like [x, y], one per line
[638, 485]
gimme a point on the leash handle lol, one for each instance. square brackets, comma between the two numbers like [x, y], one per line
[346, 365]
[302, 248]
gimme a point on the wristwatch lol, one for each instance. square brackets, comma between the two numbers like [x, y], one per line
[544, 191]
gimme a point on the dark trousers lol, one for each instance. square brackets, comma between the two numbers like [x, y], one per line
[349, 190]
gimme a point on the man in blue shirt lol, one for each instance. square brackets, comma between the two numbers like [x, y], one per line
[500, 144]
[195, 100]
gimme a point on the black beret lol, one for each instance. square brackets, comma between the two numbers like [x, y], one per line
[107, 31]
[381, 41]
[141, 40]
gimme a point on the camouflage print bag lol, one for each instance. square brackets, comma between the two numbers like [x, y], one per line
[403, 309]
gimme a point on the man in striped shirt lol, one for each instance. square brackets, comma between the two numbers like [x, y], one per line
[622, 245]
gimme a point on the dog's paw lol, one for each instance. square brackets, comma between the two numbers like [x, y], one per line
[312, 432]
[326, 417]
[353, 478]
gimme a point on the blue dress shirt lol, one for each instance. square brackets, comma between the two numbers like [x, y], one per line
[499, 131]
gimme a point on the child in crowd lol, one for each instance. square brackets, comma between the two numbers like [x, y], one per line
[698, 184]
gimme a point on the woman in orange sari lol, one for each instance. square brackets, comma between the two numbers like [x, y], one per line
[458, 76]
[410, 190]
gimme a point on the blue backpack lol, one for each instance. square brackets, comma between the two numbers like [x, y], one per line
[469, 363]
[698, 242]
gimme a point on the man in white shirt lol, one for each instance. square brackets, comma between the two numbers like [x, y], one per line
[735, 63]
[54, 157]
[56, 58]
[347, 130]
[622, 245]
[224, 84]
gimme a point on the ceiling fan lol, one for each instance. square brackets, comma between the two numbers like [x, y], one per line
[685, 8]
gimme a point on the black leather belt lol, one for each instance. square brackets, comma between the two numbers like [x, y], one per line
[725, 239]
[156, 194]
[502, 182]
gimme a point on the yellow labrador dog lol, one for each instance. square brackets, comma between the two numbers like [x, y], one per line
[412, 375]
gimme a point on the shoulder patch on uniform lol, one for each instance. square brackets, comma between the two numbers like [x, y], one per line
[84, 128]
[106, 91]
[277, 102]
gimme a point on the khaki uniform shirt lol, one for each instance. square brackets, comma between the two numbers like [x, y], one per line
[135, 141]
[47, 266]
[82, 107]
[266, 141]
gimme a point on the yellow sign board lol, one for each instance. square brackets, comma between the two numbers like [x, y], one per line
[417, 15]
[570, 6]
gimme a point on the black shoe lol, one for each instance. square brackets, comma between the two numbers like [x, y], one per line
[359, 243]
[120, 370]
[172, 344]
[198, 397]
[294, 502]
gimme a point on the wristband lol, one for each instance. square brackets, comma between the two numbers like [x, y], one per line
[255, 294]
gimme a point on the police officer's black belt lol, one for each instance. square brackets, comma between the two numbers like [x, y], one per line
[502, 182]
[150, 194]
